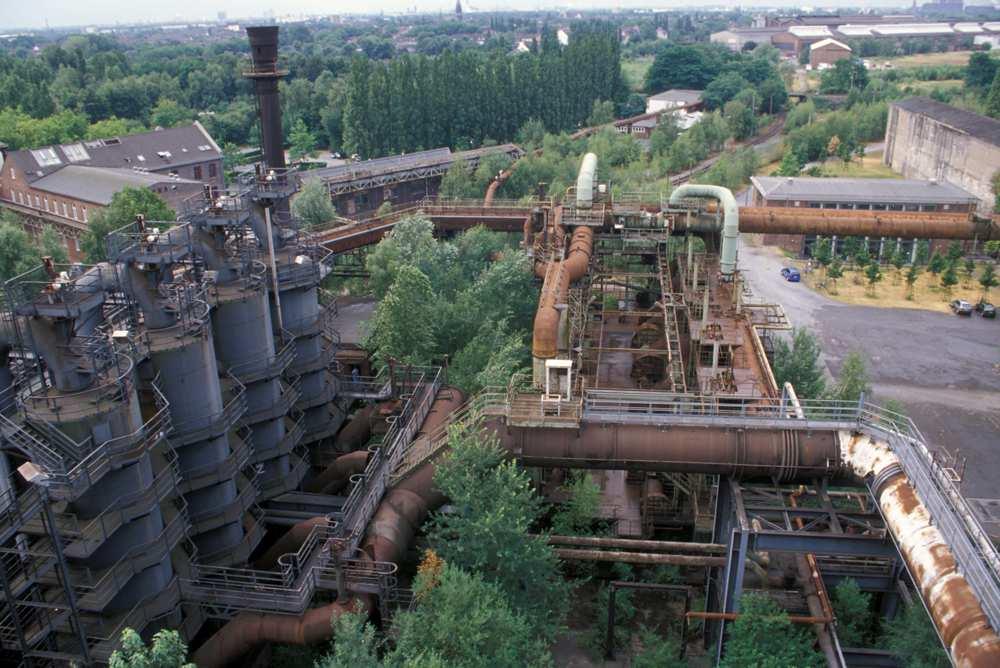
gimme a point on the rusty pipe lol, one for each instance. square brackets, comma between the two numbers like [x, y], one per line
[733, 616]
[555, 291]
[784, 454]
[404, 507]
[954, 608]
[640, 557]
[843, 222]
[289, 541]
[336, 476]
[248, 629]
[628, 543]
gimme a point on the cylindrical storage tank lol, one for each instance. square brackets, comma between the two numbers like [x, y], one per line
[243, 334]
[586, 181]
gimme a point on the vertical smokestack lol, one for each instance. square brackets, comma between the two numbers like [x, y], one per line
[265, 75]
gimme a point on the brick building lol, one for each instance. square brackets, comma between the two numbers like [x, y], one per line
[64, 185]
[925, 139]
[856, 194]
[827, 52]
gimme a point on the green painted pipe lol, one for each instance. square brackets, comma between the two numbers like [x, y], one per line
[730, 224]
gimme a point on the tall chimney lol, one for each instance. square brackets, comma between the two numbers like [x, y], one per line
[265, 75]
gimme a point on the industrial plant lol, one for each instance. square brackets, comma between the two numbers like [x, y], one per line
[178, 450]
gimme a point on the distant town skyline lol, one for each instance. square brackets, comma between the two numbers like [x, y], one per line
[70, 13]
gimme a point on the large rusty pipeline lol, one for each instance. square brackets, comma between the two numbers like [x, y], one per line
[955, 610]
[555, 290]
[783, 454]
[405, 507]
[336, 476]
[387, 538]
[248, 629]
[846, 222]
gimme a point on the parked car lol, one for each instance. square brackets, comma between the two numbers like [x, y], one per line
[986, 309]
[961, 307]
[791, 274]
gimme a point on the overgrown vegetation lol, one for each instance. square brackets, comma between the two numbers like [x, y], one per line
[471, 299]
[763, 637]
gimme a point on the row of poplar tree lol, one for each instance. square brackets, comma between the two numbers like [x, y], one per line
[468, 98]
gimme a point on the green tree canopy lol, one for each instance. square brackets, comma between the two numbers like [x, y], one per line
[853, 610]
[166, 651]
[853, 380]
[403, 327]
[125, 205]
[799, 364]
[993, 97]
[17, 253]
[988, 279]
[912, 638]
[493, 507]
[302, 142]
[312, 204]
[763, 637]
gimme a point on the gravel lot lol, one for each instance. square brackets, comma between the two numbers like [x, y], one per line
[943, 368]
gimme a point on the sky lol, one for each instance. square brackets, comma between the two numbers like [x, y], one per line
[35, 13]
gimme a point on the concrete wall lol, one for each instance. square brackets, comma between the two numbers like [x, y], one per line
[919, 147]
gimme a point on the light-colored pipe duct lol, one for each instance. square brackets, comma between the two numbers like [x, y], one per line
[586, 181]
[955, 610]
[730, 221]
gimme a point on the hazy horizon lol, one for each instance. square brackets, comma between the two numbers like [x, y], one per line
[69, 13]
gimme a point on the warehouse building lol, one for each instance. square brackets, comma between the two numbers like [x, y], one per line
[925, 139]
[856, 194]
[65, 185]
[827, 52]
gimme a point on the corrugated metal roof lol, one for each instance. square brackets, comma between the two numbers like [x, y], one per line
[99, 184]
[875, 191]
[685, 95]
[401, 163]
[975, 125]
[156, 150]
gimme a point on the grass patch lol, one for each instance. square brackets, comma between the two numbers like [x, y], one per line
[634, 70]
[922, 59]
[928, 86]
[868, 167]
[852, 288]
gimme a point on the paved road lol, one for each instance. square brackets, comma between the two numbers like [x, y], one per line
[944, 369]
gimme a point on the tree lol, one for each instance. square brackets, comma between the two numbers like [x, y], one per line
[937, 263]
[740, 118]
[911, 280]
[799, 364]
[302, 141]
[167, 113]
[846, 75]
[898, 261]
[166, 651]
[602, 112]
[822, 252]
[874, 274]
[403, 327]
[723, 88]
[684, 66]
[949, 278]
[657, 651]
[988, 279]
[355, 645]
[763, 637]
[486, 533]
[955, 251]
[923, 251]
[835, 271]
[981, 70]
[411, 242]
[993, 97]
[664, 135]
[833, 145]
[17, 254]
[462, 619]
[790, 164]
[969, 268]
[576, 516]
[853, 610]
[312, 204]
[853, 380]
[50, 245]
[457, 182]
[911, 637]
[125, 205]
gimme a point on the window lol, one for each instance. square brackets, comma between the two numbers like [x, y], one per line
[76, 152]
[20, 197]
[46, 200]
[76, 243]
[85, 214]
[65, 215]
[197, 173]
[46, 157]
[211, 170]
[38, 202]
[946, 206]
[74, 212]
[13, 176]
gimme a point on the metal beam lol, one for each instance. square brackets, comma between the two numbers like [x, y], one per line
[822, 543]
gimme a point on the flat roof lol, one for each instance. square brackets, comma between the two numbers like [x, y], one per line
[975, 125]
[99, 184]
[878, 191]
